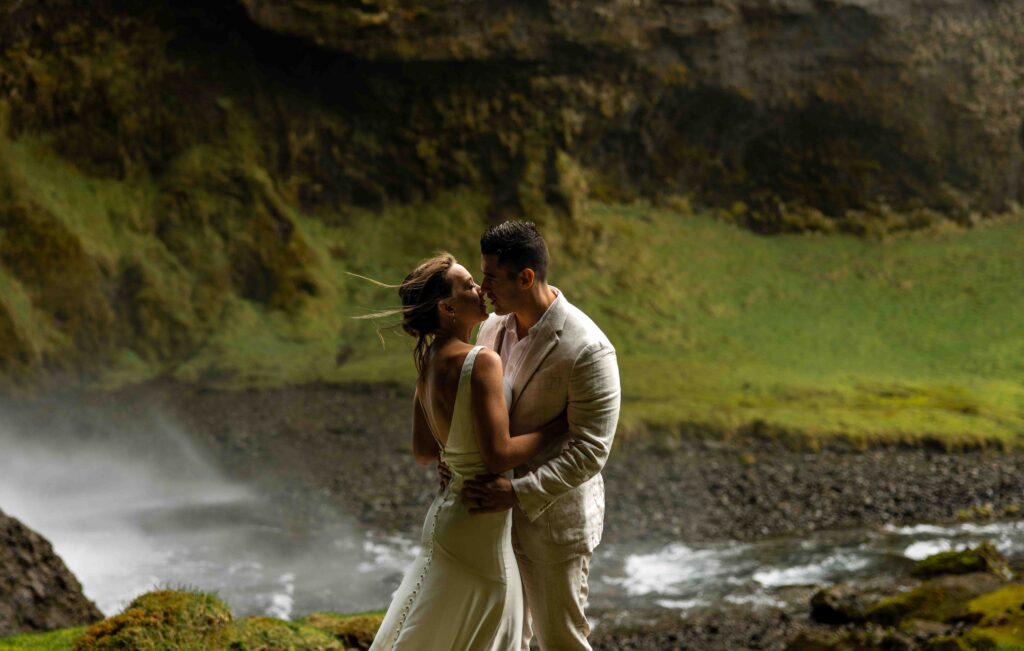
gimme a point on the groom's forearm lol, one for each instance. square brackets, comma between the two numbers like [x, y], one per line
[593, 413]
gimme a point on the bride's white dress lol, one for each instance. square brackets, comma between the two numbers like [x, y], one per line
[463, 592]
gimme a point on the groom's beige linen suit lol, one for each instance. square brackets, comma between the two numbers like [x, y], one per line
[568, 365]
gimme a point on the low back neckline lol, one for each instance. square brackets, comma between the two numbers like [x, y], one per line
[467, 367]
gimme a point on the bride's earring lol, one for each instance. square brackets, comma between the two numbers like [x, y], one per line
[452, 309]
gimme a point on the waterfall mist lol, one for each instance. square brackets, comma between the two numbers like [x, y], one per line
[131, 503]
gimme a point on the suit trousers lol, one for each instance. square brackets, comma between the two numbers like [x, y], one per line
[555, 596]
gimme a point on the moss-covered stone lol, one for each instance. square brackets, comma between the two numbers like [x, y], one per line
[943, 599]
[175, 620]
[353, 631]
[268, 634]
[165, 620]
[984, 558]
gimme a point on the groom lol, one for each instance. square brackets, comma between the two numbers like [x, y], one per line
[556, 361]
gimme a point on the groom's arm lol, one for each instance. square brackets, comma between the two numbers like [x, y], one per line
[593, 412]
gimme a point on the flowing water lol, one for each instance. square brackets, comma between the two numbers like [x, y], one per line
[133, 508]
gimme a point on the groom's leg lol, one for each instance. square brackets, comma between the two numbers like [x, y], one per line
[557, 597]
[527, 625]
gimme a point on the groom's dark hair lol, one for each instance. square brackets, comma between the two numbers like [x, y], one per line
[518, 245]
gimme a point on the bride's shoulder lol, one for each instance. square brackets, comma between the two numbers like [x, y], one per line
[488, 357]
[486, 364]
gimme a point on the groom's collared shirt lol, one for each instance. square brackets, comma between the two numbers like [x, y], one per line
[514, 349]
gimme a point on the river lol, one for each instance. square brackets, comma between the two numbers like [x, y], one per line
[130, 511]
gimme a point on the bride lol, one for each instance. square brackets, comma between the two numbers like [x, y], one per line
[463, 591]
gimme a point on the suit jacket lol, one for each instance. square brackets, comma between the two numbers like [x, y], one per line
[569, 365]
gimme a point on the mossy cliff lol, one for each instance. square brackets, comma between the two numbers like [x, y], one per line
[184, 185]
[830, 106]
[820, 107]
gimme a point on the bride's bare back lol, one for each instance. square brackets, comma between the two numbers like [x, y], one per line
[439, 387]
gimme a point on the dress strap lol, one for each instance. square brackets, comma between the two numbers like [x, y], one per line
[467, 366]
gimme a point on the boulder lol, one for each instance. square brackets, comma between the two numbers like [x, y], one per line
[984, 558]
[37, 591]
[839, 605]
[943, 599]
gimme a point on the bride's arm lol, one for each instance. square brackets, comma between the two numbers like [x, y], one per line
[500, 451]
[424, 447]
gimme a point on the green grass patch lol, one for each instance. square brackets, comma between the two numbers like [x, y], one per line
[720, 332]
[190, 620]
[61, 640]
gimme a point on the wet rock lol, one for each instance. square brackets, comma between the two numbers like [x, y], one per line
[816, 641]
[37, 591]
[953, 612]
[839, 605]
[984, 558]
[943, 599]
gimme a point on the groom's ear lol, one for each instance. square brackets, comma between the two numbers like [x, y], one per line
[527, 278]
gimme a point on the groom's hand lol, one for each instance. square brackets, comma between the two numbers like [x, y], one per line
[488, 494]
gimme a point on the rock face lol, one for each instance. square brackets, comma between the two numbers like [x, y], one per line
[167, 165]
[765, 108]
[832, 105]
[37, 592]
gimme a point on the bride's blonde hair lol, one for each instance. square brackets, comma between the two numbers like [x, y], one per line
[420, 292]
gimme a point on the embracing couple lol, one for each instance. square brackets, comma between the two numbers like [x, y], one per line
[522, 424]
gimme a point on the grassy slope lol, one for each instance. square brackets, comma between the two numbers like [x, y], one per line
[717, 328]
[61, 640]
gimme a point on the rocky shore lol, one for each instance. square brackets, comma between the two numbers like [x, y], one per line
[350, 446]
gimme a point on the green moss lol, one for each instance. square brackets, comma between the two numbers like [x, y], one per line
[1008, 637]
[1005, 603]
[944, 599]
[267, 634]
[49, 261]
[163, 620]
[353, 631]
[186, 620]
[984, 558]
[61, 640]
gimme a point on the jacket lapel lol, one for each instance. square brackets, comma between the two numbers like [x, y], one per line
[540, 348]
[491, 333]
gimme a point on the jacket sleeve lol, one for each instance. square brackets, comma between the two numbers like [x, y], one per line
[593, 413]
